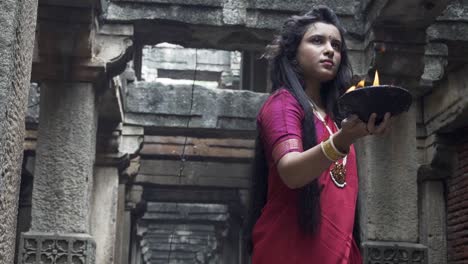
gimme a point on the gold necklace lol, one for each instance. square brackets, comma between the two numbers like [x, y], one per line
[338, 172]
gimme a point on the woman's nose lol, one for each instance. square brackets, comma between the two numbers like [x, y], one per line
[329, 51]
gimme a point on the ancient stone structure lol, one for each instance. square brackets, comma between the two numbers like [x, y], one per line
[18, 21]
[117, 169]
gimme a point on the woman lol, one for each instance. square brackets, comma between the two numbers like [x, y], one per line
[305, 184]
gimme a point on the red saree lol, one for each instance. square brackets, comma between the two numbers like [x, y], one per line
[276, 236]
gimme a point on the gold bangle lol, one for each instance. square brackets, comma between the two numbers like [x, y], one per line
[322, 146]
[335, 148]
[329, 151]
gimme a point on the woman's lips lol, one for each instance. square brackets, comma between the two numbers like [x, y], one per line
[327, 63]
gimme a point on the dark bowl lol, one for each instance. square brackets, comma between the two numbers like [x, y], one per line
[374, 99]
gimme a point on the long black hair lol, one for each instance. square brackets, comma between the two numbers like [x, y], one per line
[286, 73]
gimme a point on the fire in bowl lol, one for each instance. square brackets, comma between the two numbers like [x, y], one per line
[378, 99]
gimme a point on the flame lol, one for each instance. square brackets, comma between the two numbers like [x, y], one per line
[360, 84]
[376, 79]
[352, 88]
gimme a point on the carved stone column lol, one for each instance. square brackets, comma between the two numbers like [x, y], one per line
[76, 58]
[63, 180]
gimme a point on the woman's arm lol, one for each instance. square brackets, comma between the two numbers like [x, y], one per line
[298, 169]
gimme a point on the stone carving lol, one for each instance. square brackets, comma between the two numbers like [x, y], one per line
[393, 253]
[50, 249]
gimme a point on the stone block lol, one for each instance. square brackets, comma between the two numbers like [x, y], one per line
[49, 248]
[194, 108]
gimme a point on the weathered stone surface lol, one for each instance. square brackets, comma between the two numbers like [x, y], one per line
[341, 7]
[32, 114]
[451, 29]
[377, 252]
[177, 107]
[161, 146]
[230, 13]
[104, 213]
[182, 233]
[178, 58]
[404, 13]
[212, 3]
[194, 173]
[196, 195]
[448, 31]
[185, 211]
[220, 68]
[72, 47]
[435, 62]
[446, 107]
[65, 158]
[388, 183]
[18, 24]
[433, 221]
[211, 27]
[455, 11]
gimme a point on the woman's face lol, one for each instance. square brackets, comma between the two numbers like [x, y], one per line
[319, 53]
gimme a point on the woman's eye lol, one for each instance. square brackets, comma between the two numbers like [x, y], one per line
[336, 45]
[316, 40]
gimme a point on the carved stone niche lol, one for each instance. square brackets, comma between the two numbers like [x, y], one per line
[56, 249]
[394, 253]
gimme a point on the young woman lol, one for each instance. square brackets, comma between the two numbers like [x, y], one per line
[305, 184]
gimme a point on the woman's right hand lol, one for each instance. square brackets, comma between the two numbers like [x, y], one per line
[352, 128]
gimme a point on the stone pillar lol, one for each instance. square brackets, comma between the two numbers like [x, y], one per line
[433, 221]
[18, 24]
[63, 180]
[388, 197]
[104, 213]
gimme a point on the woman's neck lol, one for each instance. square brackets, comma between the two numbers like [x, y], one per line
[312, 89]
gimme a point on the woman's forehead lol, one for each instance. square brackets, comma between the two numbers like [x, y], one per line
[320, 28]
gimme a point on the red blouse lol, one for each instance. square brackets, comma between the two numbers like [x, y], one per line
[276, 236]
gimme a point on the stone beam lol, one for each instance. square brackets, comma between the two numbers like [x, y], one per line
[197, 148]
[252, 14]
[198, 195]
[228, 25]
[194, 173]
[192, 110]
